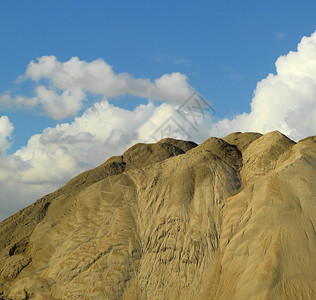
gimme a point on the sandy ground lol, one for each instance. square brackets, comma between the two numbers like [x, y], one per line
[232, 218]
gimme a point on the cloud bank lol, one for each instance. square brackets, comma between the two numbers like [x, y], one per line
[284, 101]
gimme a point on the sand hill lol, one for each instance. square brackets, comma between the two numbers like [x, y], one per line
[231, 218]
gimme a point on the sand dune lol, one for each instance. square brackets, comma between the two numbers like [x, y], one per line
[231, 218]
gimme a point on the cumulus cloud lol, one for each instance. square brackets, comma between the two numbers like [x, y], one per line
[285, 101]
[61, 87]
[6, 129]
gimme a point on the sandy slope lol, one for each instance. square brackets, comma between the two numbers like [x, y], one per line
[232, 218]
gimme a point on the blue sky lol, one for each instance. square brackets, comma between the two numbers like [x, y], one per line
[222, 49]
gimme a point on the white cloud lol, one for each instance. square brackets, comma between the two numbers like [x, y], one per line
[6, 129]
[61, 87]
[60, 105]
[19, 101]
[285, 101]
[69, 148]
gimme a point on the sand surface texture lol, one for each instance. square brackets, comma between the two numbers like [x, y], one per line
[231, 218]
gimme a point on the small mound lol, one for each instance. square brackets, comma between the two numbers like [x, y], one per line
[142, 155]
[229, 153]
[261, 156]
[308, 139]
[183, 145]
[242, 140]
